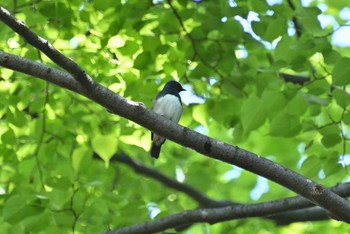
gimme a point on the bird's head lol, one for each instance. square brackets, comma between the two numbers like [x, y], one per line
[173, 86]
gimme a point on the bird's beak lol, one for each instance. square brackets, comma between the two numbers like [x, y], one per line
[183, 89]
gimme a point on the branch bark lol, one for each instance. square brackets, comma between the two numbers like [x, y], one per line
[300, 212]
[297, 26]
[202, 200]
[138, 113]
[296, 79]
[41, 71]
[44, 46]
[215, 215]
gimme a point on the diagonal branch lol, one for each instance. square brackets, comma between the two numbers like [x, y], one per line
[300, 211]
[41, 71]
[188, 190]
[302, 215]
[45, 47]
[138, 113]
[215, 215]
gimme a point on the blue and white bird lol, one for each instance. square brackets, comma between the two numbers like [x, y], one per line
[168, 104]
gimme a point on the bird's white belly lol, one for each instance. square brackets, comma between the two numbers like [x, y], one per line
[169, 106]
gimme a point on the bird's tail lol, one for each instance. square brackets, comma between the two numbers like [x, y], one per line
[155, 150]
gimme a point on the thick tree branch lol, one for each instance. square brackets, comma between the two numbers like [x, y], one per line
[302, 215]
[41, 71]
[136, 112]
[300, 211]
[215, 215]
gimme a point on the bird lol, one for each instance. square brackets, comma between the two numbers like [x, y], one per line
[168, 104]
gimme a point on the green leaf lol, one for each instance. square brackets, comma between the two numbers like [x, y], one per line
[307, 17]
[168, 22]
[16, 117]
[273, 101]
[341, 72]
[297, 106]
[284, 47]
[200, 114]
[200, 70]
[56, 10]
[129, 48]
[78, 155]
[228, 118]
[330, 140]
[37, 223]
[13, 207]
[346, 118]
[150, 43]
[275, 29]
[331, 165]
[142, 60]
[37, 105]
[331, 135]
[9, 137]
[311, 166]
[105, 146]
[253, 114]
[231, 29]
[19, 207]
[115, 42]
[331, 57]
[259, 28]
[60, 183]
[318, 87]
[285, 125]
[258, 6]
[342, 98]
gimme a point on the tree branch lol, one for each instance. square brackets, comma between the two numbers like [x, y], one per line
[138, 113]
[300, 211]
[333, 31]
[302, 215]
[215, 215]
[296, 79]
[41, 71]
[297, 26]
[188, 190]
[44, 46]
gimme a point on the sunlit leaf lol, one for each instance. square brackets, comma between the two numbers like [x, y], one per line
[105, 146]
[200, 114]
[115, 42]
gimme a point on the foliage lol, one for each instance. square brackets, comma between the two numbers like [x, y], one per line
[51, 182]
